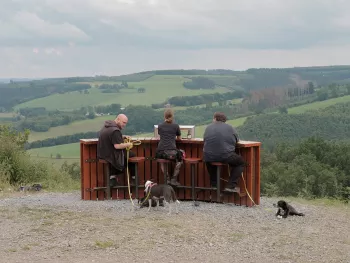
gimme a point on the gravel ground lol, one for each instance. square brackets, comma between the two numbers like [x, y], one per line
[57, 227]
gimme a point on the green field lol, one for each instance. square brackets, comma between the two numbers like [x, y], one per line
[83, 126]
[72, 128]
[72, 150]
[66, 150]
[318, 105]
[158, 89]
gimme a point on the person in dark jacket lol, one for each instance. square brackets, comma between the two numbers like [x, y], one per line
[111, 147]
[169, 132]
[220, 141]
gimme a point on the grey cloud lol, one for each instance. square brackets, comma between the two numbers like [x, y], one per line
[178, 23]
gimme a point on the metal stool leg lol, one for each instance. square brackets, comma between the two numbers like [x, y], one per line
[107, 175]
[193, 180]
[218, 171]
[165, 172]
[136, 181]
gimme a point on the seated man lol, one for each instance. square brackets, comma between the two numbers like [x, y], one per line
[111, 147]
[220, 141]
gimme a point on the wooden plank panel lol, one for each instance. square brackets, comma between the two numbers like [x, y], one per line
[245, 175]
[200, 172]
[93, 171]
[100, 181]
[187, 172]
[87, 175]
[237, 199]
[257, 176]
[141, 169]
[249, 176]
[82, 170]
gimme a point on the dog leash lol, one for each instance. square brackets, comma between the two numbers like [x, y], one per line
[149, 193]
[244, 183]
[135, 142]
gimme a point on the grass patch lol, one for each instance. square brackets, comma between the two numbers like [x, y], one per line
[71, 151]
[104, 244]
[158, 89]
[317, 105]
[72, 128]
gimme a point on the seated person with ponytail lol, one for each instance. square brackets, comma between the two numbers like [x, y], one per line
[169, 132]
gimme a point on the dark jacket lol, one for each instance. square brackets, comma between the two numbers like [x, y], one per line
[220, 141]
[109, 135]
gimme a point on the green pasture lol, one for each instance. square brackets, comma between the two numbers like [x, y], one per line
[158, 89]
[66, 151]
[72, 150]
[318, 105]
[72, 128]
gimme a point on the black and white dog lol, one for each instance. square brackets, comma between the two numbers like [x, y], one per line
[34, 187]
[284, 210]
[156, 192]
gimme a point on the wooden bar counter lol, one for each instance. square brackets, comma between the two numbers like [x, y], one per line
[93, 181]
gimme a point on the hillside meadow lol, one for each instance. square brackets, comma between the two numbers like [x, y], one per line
[72, 149]
[95, 124]
[158, 89]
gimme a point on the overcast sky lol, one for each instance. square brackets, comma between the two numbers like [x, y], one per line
[54, 38]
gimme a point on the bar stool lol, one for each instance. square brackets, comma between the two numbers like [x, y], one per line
[106, 175]
[218, 173]
[193, 162]
[166, 167]
[136, 161]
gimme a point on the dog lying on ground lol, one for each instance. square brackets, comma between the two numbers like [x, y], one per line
[284, 210]
[34, 187]
[155, 192]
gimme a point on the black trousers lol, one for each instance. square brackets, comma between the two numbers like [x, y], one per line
[236, 164]
[115, 171]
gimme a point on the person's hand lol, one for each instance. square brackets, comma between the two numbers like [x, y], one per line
[128, 145]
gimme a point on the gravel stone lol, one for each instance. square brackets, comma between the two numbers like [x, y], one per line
[60, 227]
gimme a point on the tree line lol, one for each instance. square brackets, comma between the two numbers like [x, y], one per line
[200, 99]
[312, 168]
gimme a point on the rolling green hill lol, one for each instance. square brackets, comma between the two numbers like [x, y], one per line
[158, 89]
[72, 149]
[95, 124]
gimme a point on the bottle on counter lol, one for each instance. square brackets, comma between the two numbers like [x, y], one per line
[189, 135]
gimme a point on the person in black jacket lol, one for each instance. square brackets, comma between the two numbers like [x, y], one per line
[169, 132]
[220, 141]
[111, 147]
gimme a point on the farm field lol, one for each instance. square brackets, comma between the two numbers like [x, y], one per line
[158, 89]
[72, 150]
[318, 105]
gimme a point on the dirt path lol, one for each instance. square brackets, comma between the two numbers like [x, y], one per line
[62, 228]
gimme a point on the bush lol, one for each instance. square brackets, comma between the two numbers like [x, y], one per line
[17, 167]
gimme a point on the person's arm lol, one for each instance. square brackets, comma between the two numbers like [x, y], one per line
[118, 141]
[178, 133]
[235, 134]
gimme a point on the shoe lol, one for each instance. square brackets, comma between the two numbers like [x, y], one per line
[112, 182]
[232, 189]
[174, 182]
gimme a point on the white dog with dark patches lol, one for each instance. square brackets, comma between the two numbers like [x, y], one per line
[156, 192]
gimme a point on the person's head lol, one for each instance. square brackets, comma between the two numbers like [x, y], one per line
[121, 121]
[219, 116]
[169, 115]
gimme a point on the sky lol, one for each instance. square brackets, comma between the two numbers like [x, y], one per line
[63, 38]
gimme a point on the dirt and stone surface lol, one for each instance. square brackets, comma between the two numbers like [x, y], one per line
[59, 227]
